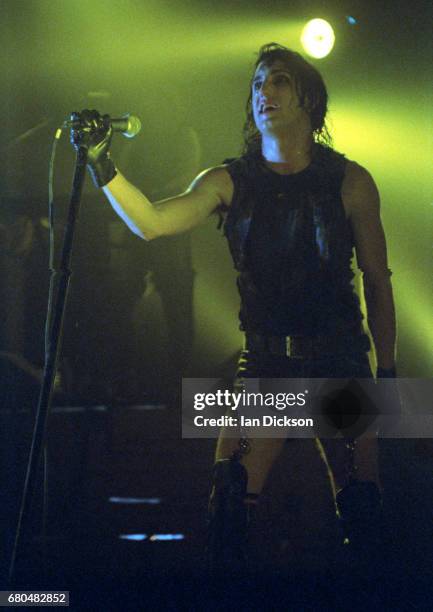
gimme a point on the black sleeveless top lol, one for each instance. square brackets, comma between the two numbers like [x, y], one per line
[292, 246]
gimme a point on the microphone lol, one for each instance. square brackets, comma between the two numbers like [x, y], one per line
[128, 125]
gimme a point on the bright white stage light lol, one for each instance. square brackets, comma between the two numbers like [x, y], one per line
[318, 38]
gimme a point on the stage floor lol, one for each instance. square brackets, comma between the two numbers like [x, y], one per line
[126, 520]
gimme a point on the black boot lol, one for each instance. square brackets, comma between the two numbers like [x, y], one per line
[361, 518]
[228, 518]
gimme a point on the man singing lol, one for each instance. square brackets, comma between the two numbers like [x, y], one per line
[293, 212]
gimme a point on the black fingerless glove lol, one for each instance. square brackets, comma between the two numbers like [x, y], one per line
[102, 170]
[94, 132]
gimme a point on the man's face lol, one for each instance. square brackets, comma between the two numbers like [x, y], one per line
[275, 102]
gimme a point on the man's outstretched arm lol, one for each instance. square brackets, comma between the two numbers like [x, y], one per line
[210, 190]
[173, 215]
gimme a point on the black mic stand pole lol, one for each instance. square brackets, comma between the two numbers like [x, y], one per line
[51, 358]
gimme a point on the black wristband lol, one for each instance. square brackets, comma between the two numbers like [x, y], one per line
[386, 373]
[102, 171]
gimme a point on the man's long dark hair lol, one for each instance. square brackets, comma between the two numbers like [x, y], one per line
[310, 88]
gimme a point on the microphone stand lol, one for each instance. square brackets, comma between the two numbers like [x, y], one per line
[51, 358]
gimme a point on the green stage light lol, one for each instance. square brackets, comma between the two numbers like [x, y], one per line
[318, 38]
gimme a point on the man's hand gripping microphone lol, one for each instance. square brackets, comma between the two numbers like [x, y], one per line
[93, 131]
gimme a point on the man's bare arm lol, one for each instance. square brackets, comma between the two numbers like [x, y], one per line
[210, 190]
[362, 201]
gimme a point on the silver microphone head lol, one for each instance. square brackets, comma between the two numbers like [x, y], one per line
[134, 126]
